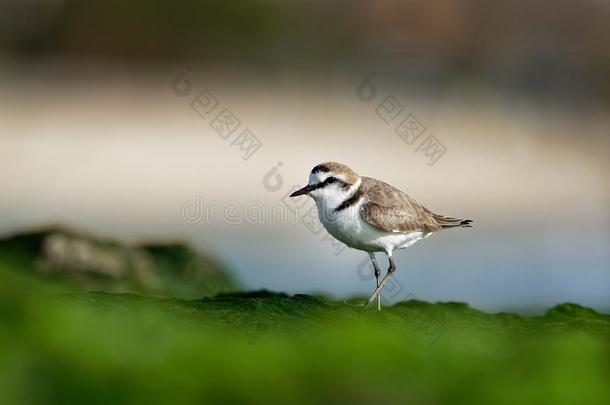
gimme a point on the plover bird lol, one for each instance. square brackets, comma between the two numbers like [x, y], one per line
[370, 215]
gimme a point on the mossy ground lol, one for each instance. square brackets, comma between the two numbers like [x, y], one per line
[58, 347]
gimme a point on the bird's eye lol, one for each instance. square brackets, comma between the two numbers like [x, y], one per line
[330, 180]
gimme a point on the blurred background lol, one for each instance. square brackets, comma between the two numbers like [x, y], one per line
[157, 122]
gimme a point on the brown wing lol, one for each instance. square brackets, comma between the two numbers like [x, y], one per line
[389, 209]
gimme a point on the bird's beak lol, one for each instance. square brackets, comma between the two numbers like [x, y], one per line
[304, 190]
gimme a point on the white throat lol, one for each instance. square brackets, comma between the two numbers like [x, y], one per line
[328, 200]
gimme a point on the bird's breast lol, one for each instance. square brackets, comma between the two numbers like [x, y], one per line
[346, 225]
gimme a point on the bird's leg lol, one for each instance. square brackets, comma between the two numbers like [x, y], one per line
[385, 280]
[377, 276]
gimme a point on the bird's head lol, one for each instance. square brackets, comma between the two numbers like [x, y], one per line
[330, 181]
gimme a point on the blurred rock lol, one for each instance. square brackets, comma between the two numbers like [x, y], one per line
[93, 264]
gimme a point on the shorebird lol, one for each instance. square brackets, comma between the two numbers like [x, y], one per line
[370, 215]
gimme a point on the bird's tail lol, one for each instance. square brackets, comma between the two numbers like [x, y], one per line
[449, 222]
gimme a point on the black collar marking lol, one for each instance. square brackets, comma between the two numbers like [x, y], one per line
[351, 200]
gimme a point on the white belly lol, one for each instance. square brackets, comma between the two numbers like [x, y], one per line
[349, 227]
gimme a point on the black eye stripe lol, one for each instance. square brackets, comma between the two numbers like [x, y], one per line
[327, 181]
